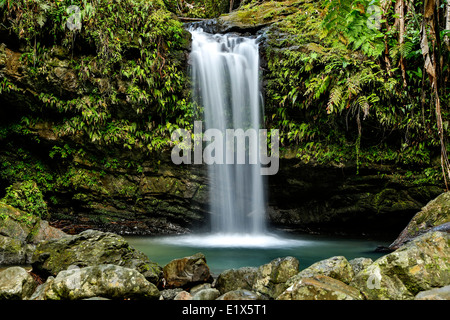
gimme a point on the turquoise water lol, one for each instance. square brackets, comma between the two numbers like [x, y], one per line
[225, 252]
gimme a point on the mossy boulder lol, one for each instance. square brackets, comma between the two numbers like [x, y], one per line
[107, 281]
[271, 278]
[14, 252]
[16, 284]
[320, 287]
[91, 248]
[234, 279]
[419, 265]
[435, 214]
[359, 264]
[20, 232]
[335, 267]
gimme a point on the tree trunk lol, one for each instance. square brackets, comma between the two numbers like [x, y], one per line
[447, 25]
[432, 68]
[400, 10]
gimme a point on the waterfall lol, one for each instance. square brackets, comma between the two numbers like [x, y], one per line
[225, 76]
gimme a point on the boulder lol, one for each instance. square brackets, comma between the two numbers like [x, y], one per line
[320, 287]
[435, 215]
[16, 284]
[434, 294]
[419, 265]
[233, 279]
[187, 271]
[91, 248]
[170, 294]
[107, 281]
[242, 294]
[43, 231]
[335, 267]
[19, 233]
[199, 287]
[271, 278]
[25, 227]
[359, 264]
[13, 223]
[206, 294]
[183, 295]
[14, 251]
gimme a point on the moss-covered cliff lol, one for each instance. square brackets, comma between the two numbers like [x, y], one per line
[89, 99]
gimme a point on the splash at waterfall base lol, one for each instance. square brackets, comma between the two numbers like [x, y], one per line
[216, 153]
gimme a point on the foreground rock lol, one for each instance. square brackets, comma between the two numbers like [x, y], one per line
[434, 294]
[242, 294]
[106, 281]
[234, 279]
[421, 264]
[14, 252]
[271, 278]
[335, 267]
[16, 284]
[187, 271]
[91, 248]
[359, 264]
[435, 215]
[320, 287]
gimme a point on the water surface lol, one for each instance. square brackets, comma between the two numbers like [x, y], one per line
[234, 251]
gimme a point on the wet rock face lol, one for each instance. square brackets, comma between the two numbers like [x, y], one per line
[434, 216]
[370, 202]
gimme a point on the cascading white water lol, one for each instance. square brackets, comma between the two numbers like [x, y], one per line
[225, 75]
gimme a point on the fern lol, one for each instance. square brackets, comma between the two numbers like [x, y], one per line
[335, 98]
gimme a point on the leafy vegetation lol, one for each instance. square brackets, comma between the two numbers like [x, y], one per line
[27, 197]
[129, 54]
[343, 90]
[106, 86]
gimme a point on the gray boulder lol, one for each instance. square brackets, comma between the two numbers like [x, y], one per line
[16, 284]
[206, 294]
[91, 248]
[107, 281]
[242, 294]
[434, 294]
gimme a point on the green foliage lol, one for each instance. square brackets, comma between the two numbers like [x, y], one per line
[137, 45]
[335, 98]
[27, 197]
